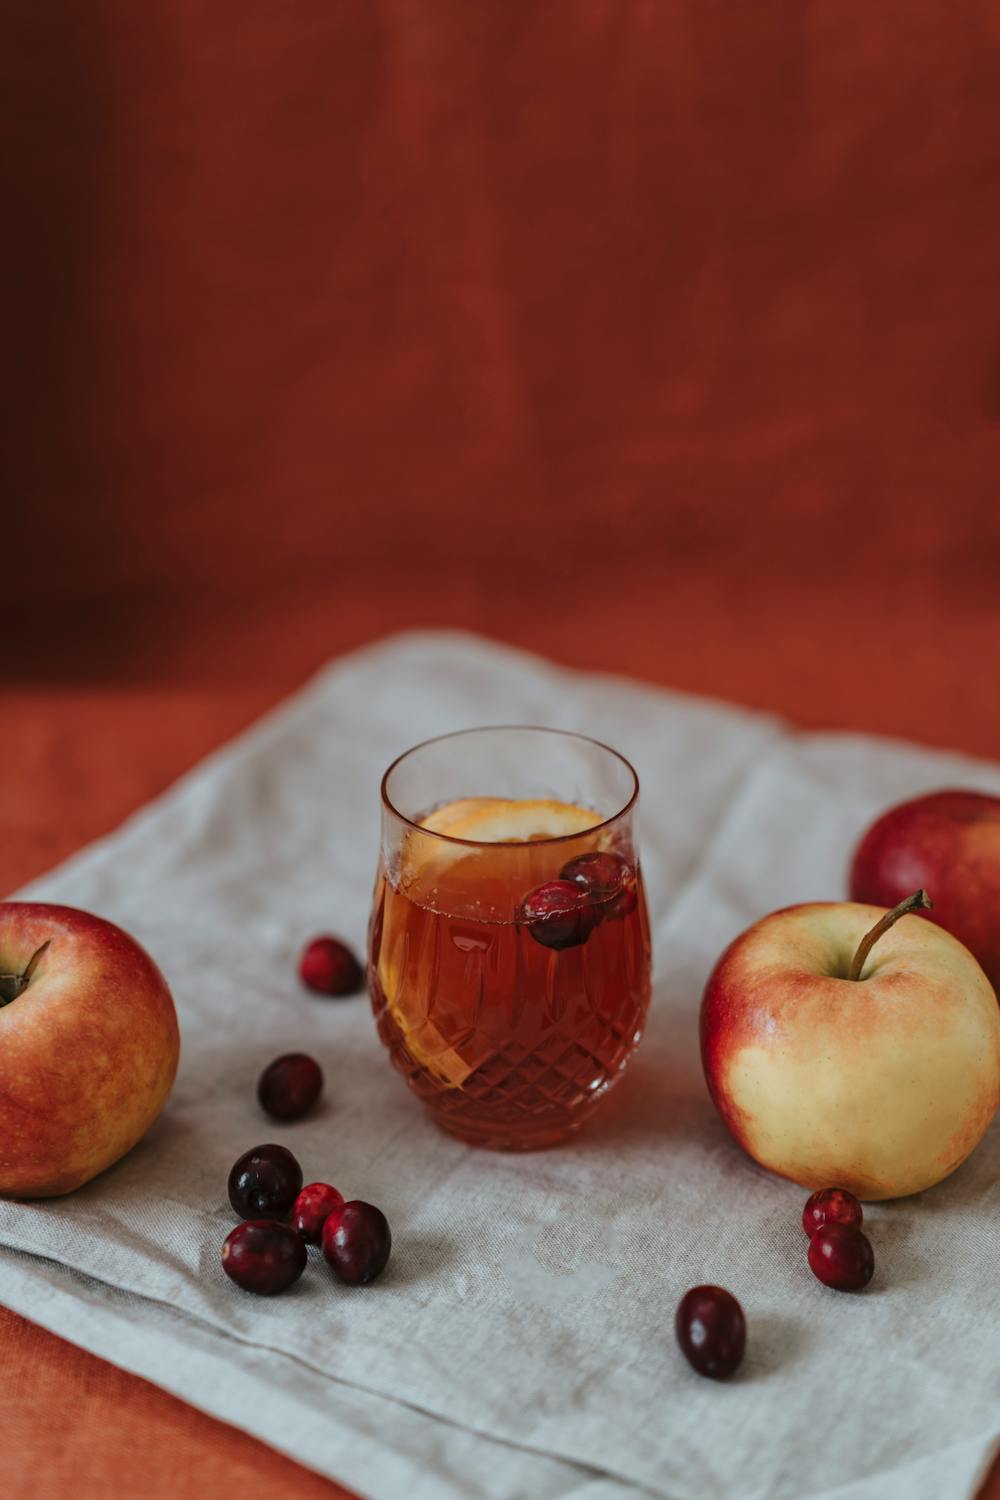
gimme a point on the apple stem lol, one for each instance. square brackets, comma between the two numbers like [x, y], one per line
[12, 985]
[867, 943]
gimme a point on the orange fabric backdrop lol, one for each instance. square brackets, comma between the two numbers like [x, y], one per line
[661, 338]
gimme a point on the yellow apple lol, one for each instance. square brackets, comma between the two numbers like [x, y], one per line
[883, 1083]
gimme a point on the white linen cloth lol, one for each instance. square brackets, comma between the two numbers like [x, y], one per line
[521, 1341]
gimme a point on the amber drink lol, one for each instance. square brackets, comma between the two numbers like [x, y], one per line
[509, 955]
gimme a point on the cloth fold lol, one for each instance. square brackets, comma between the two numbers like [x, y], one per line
[521, 1340]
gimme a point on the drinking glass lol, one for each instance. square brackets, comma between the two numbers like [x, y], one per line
[509, 953]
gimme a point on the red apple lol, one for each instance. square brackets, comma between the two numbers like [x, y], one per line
[88, 1047]
[950, 843]
[882, 1083]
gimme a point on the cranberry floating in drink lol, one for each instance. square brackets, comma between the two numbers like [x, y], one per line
[558, 914]
[601, 875]
[509, 955]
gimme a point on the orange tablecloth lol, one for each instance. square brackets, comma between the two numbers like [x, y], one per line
[660, 338]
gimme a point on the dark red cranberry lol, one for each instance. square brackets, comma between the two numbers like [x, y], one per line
[263, 1257]
[558, 914]
[622, 905]
[264, 1183]
[356, 1242]
[329, 967]
[831, 1206]
[841, 1257]
[711, 1331]
[600, 874]
[289, 1087]
[312, 1208]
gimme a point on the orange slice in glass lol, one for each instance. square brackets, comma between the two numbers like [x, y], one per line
[503, 820]
[433, 872]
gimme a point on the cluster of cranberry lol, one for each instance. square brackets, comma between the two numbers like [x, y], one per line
[839, 1254]
[710, 1326]
[267, 1251]
[591, 889]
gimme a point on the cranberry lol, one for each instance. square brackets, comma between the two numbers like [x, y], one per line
[559, 914]
[356, 1242]
[264, 1183]
[263, 1257]
[622, 905]
[329, 967]
[312, 1208]
[711, 1331]
[841, 1257]
[831, 1206]
[601, 875]
[289, 1087]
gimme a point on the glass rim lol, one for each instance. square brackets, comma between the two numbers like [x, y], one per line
[556, 838]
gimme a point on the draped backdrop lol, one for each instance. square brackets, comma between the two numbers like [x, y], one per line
[659, 336]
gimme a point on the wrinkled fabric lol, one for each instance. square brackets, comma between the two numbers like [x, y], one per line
[521, 1340]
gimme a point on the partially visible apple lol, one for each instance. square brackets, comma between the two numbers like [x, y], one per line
[950, 843]
[882, 1084]
[88, 1047]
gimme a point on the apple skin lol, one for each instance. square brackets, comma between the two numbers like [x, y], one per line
[882, 1085]
[949, 844]
[88, 1051]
